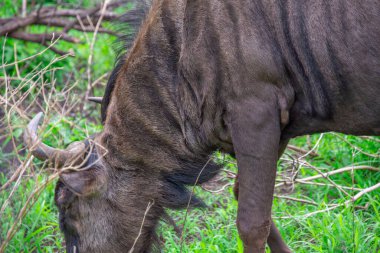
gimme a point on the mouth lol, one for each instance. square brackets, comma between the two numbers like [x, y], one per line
[71, 238]
[63, 199]
[72, 248]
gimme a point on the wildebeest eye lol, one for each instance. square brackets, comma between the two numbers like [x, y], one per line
[63, 196]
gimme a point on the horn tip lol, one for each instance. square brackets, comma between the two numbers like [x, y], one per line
[36, 119]
[39, 115]
[31, 128]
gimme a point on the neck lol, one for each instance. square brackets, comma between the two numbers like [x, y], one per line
[144, 131]
[143, 119]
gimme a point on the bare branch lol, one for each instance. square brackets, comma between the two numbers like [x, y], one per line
[42, 38]
[301, 151]
[14, 24]
[64, 19]
[60, 22]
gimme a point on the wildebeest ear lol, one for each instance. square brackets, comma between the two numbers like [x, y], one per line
[85, 182]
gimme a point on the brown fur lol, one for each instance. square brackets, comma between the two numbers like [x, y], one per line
[241, 76]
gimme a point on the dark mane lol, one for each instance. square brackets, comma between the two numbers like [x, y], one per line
[127, 26]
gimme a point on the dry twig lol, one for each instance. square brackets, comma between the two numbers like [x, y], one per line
[63, 19]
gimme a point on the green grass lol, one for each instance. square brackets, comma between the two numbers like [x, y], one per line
[39, 230]
[344, 229]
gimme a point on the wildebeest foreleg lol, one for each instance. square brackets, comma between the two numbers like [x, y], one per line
[275, 241]
[255, 130]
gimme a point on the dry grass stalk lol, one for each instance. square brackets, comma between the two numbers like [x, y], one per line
[150, 204]
[189, 202]
[92, 44]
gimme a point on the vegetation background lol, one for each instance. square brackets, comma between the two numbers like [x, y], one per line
[320, 205]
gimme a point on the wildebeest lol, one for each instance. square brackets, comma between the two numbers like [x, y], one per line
[240, 76]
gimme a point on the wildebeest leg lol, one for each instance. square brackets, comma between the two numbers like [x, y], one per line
[275, 241]
[255, 131]
[281, 150]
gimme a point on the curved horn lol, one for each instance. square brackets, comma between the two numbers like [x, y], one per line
[44, 152]
[98, 100]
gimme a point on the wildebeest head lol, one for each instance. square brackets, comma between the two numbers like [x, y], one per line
[100, 209]
[107, 204]
[114, 187]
